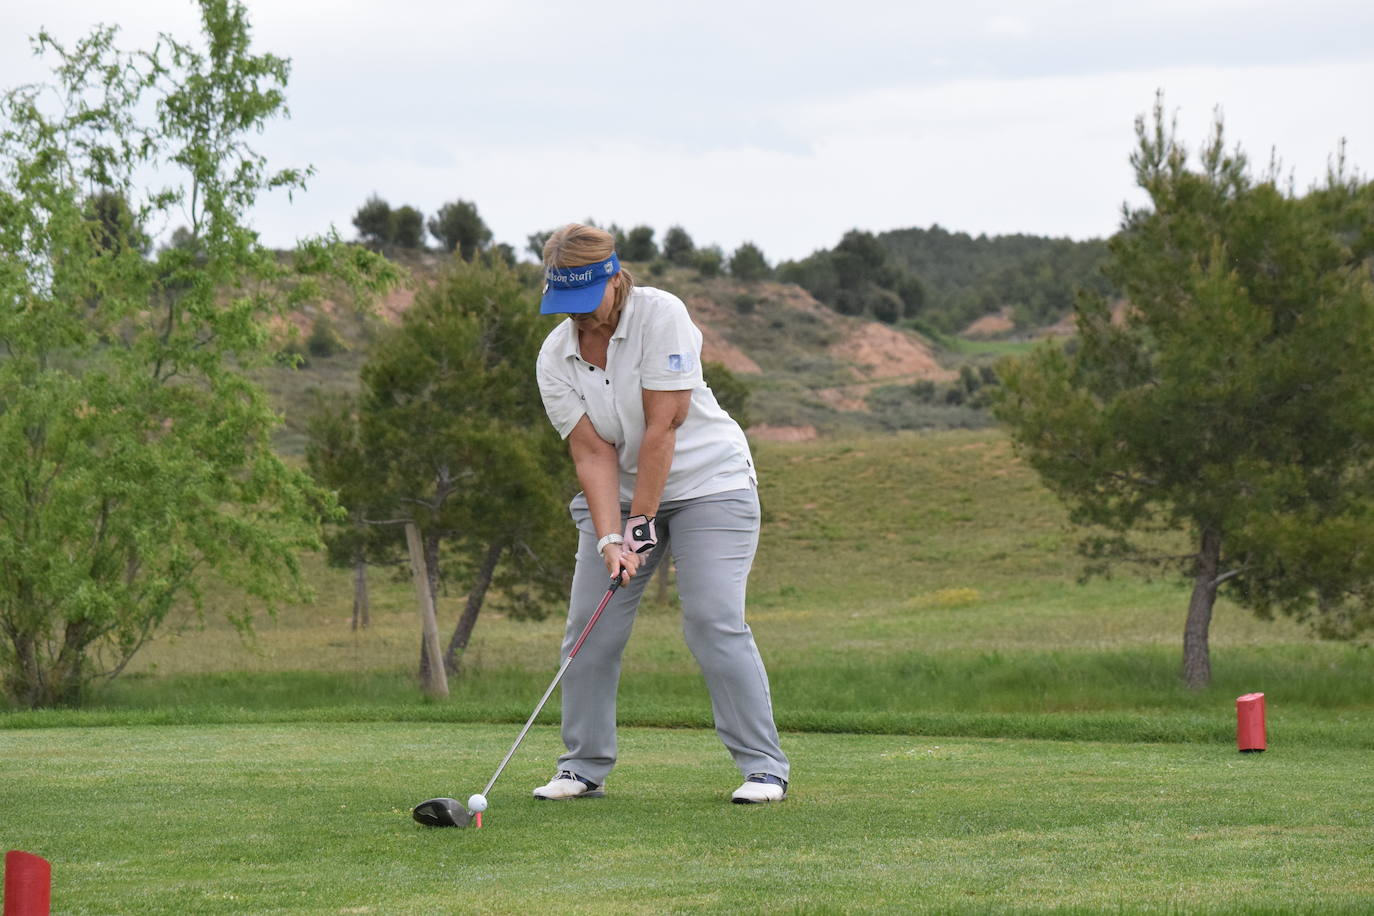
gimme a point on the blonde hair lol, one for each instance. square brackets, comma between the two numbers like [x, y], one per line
[577, 244]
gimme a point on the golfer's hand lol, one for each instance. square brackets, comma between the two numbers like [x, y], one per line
[617, 559]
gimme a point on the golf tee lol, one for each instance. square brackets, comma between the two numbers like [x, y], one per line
[478, 818]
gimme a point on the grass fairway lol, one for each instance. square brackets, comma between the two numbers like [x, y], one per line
[915, 600]
[313, 819]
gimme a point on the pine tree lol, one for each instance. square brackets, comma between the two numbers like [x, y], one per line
[1234, 397]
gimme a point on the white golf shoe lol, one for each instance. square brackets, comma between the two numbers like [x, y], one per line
[760, 788]
[568, 784]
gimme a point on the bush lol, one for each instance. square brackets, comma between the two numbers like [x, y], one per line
[460, 228]
[731, 391]
[748, 263]
[324, 340]
[373, 222]
[408, 227]
[709, 262]
[381, 228]
[678, 247]
[638, 245]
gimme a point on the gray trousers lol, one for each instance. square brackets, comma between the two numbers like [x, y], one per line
[712, 539]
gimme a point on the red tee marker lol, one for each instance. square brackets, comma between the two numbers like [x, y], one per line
[1250, 723]
[28, 884]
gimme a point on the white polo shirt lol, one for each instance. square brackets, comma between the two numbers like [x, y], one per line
[655, 347]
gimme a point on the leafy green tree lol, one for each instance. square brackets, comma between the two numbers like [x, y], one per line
[638, 245]
[384, 229]
[1234, 402]
[859, 277]
[137, 451]
[456, 440]
[459, 228]
[678, 247]
[966, 277]
[375, 223]
[116, 224]
[748, 264]
[709, 261]
[338, 461]
[407, 227]
[815, 274]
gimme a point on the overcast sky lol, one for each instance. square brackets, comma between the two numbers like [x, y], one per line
[781, 123]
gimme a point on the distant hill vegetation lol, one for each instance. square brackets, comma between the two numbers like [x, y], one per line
[967, 277]
[898, 330]
[937, 280]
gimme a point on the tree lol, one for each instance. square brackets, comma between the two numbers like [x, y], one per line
[338, 461]
[383, 229]
[748, 263]
[678, 247]
[116, 225]
[137, 451]
[407, 227]
[965, 277]
[374, 223]
[709, 261]
[637, 245]
[455, 439]
[459, 227]
[859, 277]
[1233, 400]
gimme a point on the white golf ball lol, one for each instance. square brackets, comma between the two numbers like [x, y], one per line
[477, 803]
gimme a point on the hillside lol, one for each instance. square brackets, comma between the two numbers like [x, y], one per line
[810, 370]
[997, 285]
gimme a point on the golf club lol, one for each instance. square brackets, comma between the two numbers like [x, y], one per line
[449, 812]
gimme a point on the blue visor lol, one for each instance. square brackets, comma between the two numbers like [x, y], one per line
[577, 290]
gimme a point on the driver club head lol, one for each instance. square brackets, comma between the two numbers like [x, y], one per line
[442, 812]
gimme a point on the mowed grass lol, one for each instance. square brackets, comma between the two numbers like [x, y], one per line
[313, 818]
[915, 599]
[914, 583]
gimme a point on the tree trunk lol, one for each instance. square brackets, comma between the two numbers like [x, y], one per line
[24, 683]
[432, 678]
[1197, 661]
[67, 681]
[463, 632]
[360, 603]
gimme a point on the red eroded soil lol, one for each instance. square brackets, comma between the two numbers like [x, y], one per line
[991, 325]
[881, 352]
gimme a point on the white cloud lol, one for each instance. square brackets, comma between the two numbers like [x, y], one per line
[743, 120]
[1009, 26]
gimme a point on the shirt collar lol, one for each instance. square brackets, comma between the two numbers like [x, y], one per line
[570, 348]
[622, 329]
[569, 331]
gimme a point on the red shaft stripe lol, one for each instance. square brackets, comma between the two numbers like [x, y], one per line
[615, 584]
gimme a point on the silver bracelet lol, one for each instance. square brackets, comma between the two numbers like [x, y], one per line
[608, 539]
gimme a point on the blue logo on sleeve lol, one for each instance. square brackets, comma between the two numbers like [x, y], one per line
[680, 362]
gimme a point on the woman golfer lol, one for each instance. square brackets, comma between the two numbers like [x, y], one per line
[663, 468]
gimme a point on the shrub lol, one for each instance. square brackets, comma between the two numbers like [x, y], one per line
[748, 263]
[324, 340]
[709, 262]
